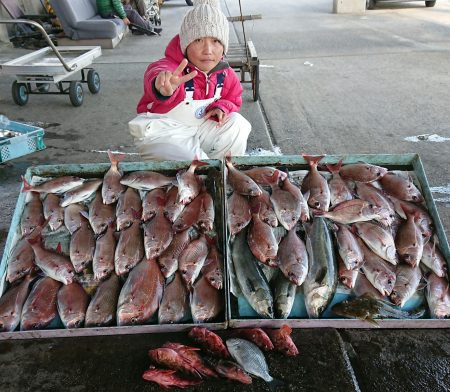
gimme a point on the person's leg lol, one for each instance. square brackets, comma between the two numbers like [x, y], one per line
[138, 20]
[232, 136]
[160, 138]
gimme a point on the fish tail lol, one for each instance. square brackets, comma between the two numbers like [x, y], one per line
[334, 168]
[26, 185]
[275, 384]
[115, 158]
[313, 160]
[198, 163]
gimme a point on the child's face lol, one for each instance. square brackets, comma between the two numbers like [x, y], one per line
[205, 53]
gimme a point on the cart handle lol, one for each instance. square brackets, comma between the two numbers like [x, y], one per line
[47, 38]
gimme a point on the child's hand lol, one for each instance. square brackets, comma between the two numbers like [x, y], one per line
[219, 114]
[167, 82]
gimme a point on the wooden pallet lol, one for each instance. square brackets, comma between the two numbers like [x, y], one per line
[245, 59]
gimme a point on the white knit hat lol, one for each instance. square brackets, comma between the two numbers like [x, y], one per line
[204, 20]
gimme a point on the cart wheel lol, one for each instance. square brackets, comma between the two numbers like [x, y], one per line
[255, 83]
[43, 87]
[76, 93]
[93, 81]
[189, 2]
[20, 93]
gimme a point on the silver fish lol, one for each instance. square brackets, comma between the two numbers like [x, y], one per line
[101, 311]
[174, 307]
[146, 180]
[251, 280]
[320, 283]
[80, 193]
[112, 188]
[283, 295]
[250, 358]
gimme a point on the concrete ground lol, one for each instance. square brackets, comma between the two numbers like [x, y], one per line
[335, 84]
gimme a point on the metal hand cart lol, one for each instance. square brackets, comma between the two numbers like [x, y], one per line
[36, 71]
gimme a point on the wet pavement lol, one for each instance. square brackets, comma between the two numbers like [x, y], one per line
[336, 84]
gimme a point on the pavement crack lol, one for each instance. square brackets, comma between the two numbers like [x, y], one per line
[348, 363]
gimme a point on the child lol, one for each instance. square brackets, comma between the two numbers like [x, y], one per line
[191, 97]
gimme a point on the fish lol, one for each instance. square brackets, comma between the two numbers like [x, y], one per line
[261, 174]
[130, 247]
[82, 247]
[269, 272]
[20, 261]
[100, 214]
[378, 198]
[101, 311]
[32, 216]
[55, 185]
[141, 294]
[348, 247]
[239, 214]
[316, 184]
[53, 264]
[189, 184]
[320, 284]
[369, 309]
[191, 355]
[255, 335]
[409, 241]
[189, 216]
[283, 295]
[438, 296]
[103, 260]
[251, 280]
[72, 303]
[266, 212]
[378, 239]
[346, 276]
[355, 210]
[173, 208]
[11, 304]
[229, 370]
[81, 193]
[377, 271]
[206, 302]
[146, 180]
[174, 306]
[400, 187]
[298, 196]
[192, 259]
[339, 191]
[167, 378]
[112, 188]
[251, 359]
[206, 216]
[406, 284]
[363, 287]
[293, 258]
[212, 267]
[53, 212]
[40, 308]
[73, 217]
[168, 261]
[170, 358]
[262, 241]
[287, 207]
[282, 340]
[128, 201]
[424, 220]
[210, 342]
[362, 172]
[433, 259]
[150, 204]
[239, 181]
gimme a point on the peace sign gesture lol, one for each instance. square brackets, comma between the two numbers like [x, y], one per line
[167, 82]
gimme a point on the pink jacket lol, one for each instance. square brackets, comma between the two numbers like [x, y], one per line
[204, 85]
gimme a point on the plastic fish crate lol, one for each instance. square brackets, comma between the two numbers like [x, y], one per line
[215, 187]
[241, 315]
[30, 140]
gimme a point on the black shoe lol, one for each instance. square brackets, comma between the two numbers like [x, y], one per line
[154, 31]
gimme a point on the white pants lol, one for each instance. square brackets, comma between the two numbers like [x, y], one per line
[159, 138]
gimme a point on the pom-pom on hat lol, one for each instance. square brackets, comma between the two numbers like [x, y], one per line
[205, 19]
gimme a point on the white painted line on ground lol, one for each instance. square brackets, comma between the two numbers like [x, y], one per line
[427, 138]
[444, 190]
[266, 66]
[116, 152]
[260, 152]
